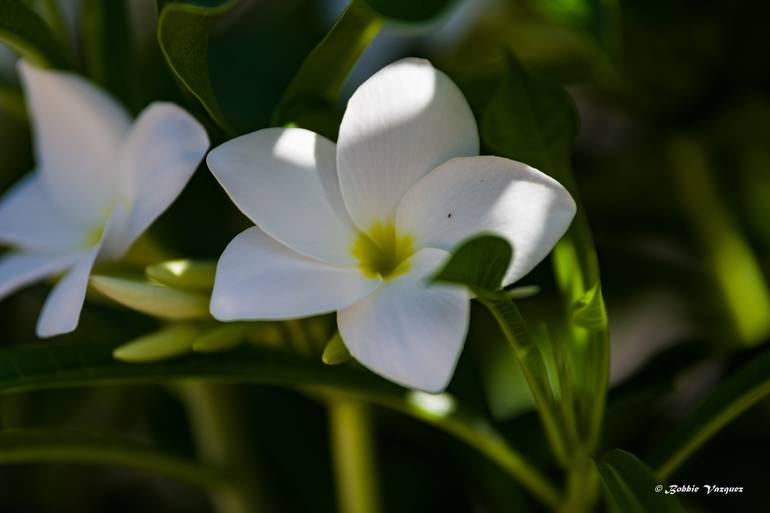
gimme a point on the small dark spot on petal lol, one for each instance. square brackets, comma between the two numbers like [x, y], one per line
[449, 215]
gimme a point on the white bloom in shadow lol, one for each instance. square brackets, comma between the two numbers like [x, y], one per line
[100, 182]
[357, 227]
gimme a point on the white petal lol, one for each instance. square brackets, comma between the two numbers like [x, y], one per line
[78, 130]
[30, 220]
[285, 181]
[408, 331]
[404, 121]
[20, 269]
[162, 151]
[61, 311]
[467, 196]
[260, 278]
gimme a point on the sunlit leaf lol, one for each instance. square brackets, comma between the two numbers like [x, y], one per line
[310, 99]
[742, 390]
[630, 486]
[589, 311]
[166, 343]
[479, 264]
[183, 35]
[25, 31]
[728, 255]
[153, 299]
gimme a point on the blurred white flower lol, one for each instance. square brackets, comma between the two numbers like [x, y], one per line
[100, 182]
[357, 227]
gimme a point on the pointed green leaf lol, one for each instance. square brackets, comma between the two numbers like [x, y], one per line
[589, 311]
[532, 120]
[184, 274]
[183, 35]
[630, 486]
[335, 351]
[310, 99]
[23, 30]
[479, 264]
[153, 299]
[736, 395]
[166, 343]
[221, 338]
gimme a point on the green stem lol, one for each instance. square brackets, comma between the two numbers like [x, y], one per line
[531, 362]
[222, 442]
[352, 444]
[582, 487]
[576, 267]
[462, 424]
[49, 445]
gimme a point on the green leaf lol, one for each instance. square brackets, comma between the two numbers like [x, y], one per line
[184, 274]
[532, 363]
[56, 445]
[589, 311]
[479, 264]
[166, 343]
[629, 486]
[335, 351]
[597, 19]
[183, 35]
[740, 392]
[56, 365]
[409, 11]
[532, 120]
[23, 30]
[310, 99]
[153, 299]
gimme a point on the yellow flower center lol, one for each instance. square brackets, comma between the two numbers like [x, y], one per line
[382, 252]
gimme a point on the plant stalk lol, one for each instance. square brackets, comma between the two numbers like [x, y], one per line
[220, 433]
[352, 445]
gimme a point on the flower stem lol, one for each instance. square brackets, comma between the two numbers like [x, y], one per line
[222, 443]
[582, 486]
[352, 444]
[531, 362]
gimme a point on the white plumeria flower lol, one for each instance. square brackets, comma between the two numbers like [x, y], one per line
[100, 182]
[359, 226]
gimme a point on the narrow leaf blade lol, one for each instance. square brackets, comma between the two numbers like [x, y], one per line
[183, 35]
[630, 486]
